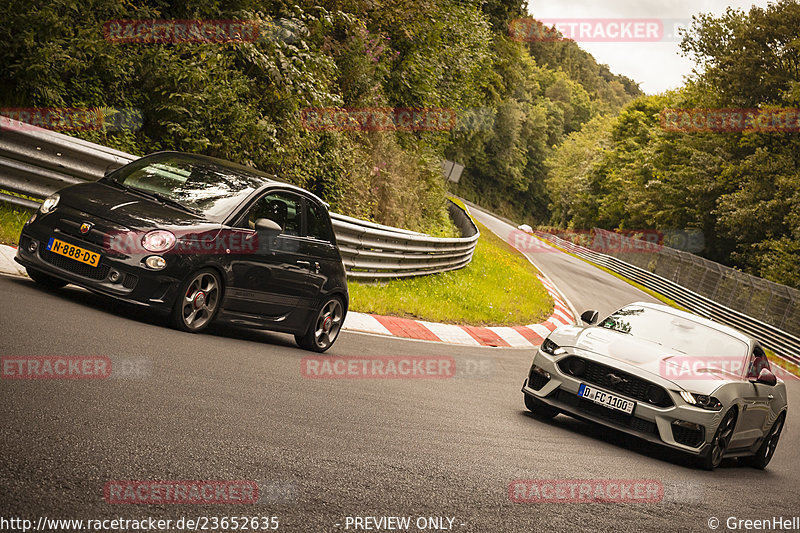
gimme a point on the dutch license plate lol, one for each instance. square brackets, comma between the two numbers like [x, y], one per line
[606, 399]
[77, 253]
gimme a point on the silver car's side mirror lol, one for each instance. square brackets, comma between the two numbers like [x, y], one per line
[766, 377]
[589, 317]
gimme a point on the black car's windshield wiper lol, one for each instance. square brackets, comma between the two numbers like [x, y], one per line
[174, 203]
[160, 198]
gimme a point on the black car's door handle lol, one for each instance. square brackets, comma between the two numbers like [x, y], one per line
[306, 264]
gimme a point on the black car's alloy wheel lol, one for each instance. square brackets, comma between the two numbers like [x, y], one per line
[45, 280]
[767, 449]
[722, 439]
[198, 301]
[323, 332]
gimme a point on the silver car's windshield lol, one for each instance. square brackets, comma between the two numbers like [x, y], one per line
[674, 332]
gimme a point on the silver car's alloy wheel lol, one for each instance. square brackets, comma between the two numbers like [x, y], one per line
[767, 449]
[722, 438]
[772, 439]
[200, 301]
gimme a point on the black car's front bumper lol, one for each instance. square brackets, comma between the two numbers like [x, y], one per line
[136, 284]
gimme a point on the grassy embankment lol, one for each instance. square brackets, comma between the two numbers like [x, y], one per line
[499, 287]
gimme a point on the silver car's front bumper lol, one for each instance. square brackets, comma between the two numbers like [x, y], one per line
[649, 422]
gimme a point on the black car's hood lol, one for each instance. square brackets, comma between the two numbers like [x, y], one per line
[126, 208]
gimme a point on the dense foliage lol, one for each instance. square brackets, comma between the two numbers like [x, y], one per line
[740, 188]
[244, 101]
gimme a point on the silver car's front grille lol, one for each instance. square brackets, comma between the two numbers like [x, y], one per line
[616, 380]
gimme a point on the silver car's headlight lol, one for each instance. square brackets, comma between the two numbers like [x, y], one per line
[552, 348]
[50, 203]
[701, 400]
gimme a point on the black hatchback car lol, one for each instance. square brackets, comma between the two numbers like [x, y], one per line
[199, 239]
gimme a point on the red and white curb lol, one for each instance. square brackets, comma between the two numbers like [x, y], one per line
[7, 263]
[501, 336]
[510, 337]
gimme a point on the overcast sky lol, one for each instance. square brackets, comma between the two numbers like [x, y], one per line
[657, 66]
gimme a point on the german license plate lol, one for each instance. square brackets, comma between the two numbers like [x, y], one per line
[77, 253]
[606, 399]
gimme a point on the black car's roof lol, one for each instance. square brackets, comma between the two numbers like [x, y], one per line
[266, 179]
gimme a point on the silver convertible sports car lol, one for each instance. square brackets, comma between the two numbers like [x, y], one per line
[664, 375]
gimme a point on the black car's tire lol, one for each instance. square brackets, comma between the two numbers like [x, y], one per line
[539, 408]
[45, 280]
[720, 442]
[765, 452]
[198, 300]
[325, 328]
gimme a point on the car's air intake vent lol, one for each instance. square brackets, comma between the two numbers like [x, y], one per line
[693, 437]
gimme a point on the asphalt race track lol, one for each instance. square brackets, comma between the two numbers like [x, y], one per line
[234, 405]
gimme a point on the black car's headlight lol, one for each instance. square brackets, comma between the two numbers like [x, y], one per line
[50, 204]
[552, 348]
[701, 400]
[158, 240]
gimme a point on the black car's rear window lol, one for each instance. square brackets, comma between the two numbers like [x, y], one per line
[202, 186]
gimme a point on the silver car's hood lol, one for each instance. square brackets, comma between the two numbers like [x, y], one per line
[639, 356]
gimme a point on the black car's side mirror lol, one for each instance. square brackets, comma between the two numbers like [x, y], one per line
[267, 225]
[589, 317]
[766, 377]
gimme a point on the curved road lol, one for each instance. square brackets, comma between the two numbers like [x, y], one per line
[233, 405]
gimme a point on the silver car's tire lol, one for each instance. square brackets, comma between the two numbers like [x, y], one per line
[539, 408]
[767, 449]
[720, 442]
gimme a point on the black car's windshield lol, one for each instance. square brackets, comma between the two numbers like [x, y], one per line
[202, 187]
[674, 332]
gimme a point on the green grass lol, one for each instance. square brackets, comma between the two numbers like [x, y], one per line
[12, 218]
[499, 288]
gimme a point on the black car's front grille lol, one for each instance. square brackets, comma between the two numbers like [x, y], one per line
[613, 379]
[688, 436]
[612, 415]
[97, 273]
[130, 281]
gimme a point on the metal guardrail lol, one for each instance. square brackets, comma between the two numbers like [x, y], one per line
[784, 344]
[36, 162]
